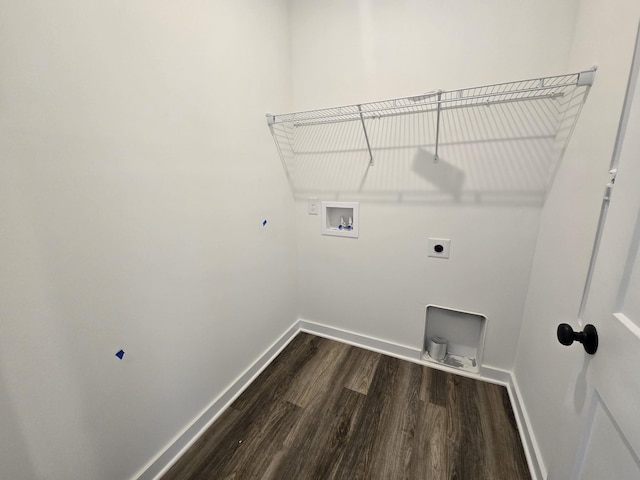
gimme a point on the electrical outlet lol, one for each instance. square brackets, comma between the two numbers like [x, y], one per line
[314, 206]
[439, 247]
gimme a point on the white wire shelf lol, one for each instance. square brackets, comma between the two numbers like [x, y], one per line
[538, 109]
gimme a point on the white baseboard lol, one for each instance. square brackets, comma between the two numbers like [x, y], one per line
[161, 464]
[489, 374]
[359, 340]
[165, 460]
[531, 448]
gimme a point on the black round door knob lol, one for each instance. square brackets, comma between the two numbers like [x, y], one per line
[588, 337]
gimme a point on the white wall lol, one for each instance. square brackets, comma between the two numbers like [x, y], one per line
[136, 169]
[357, 51]
[546, 371]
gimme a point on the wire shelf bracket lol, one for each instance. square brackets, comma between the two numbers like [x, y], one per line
[439, 108]
[366, 136]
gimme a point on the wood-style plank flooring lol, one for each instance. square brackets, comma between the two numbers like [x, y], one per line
[326, 410]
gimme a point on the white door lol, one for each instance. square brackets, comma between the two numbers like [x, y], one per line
[603, 435]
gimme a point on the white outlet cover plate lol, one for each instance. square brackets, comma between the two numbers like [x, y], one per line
[446, 247]
[314, 206]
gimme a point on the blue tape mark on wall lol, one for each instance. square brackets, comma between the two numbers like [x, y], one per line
[264, 223]
[120, 354]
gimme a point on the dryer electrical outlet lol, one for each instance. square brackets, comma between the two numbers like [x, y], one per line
[438, 247]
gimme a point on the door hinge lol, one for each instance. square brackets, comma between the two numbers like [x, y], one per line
[609, 186]
[607, 192]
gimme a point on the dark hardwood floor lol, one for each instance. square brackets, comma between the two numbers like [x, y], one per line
[326, 410]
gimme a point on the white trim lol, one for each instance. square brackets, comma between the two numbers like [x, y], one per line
[628, 324]
[164, 460]
[181, 442]
[359, 340]
[495, 375]
[531, 448]
[489, 374]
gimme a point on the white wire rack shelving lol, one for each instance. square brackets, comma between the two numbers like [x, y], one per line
[526, 110]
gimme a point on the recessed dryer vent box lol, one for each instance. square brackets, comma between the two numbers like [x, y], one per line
[463, 332]
[340, 219]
